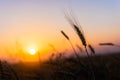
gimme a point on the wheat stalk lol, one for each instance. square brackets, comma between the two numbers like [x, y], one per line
[108, 44]
[53, 47]
[77, 30]
[1, 71]
[82, 38]
[92, 49]
[79, 48]
[65, 35]
[12, 70]
[80, 34]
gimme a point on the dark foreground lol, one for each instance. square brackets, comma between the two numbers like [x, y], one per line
[105, 67]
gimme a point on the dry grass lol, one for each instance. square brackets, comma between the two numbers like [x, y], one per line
[68, 69]
[81, 50]
[108, 44]
[78, 29]
[92, 49]
[65, 35]
[7, 72]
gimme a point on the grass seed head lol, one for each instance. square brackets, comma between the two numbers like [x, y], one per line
[91, 48]
[103, 44]
[80, 34]
[65, 35]
[79, 48]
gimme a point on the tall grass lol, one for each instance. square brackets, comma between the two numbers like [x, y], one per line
[12, 70]
[39, 58]
[78, 29]
[66, 36]
[53, 47]
[79, 48]
[109, 44]
[1, 71]
[91, 49]
[7, 71]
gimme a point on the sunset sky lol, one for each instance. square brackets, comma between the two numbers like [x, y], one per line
[37, 23]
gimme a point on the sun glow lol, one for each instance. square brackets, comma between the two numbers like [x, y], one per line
[32, 51]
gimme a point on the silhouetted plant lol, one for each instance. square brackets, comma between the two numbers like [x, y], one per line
[65, 35]
[12, 70]
[53, 47]
[109, 44]
[77, 30]
[92, 49]
[7, 71]
[39, 58]
[104, 44]
[1, 71]
[80, 34]
[52, 57]
[79, 48]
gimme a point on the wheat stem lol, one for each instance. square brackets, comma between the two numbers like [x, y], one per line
[91, 67]
[73, 49]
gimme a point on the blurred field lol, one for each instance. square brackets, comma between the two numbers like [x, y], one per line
[105, 67]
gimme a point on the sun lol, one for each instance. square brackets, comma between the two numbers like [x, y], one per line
[32, 51]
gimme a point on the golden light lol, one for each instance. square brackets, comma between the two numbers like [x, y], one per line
[32, 51]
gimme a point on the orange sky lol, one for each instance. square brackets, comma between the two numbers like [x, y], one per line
[36, 24]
